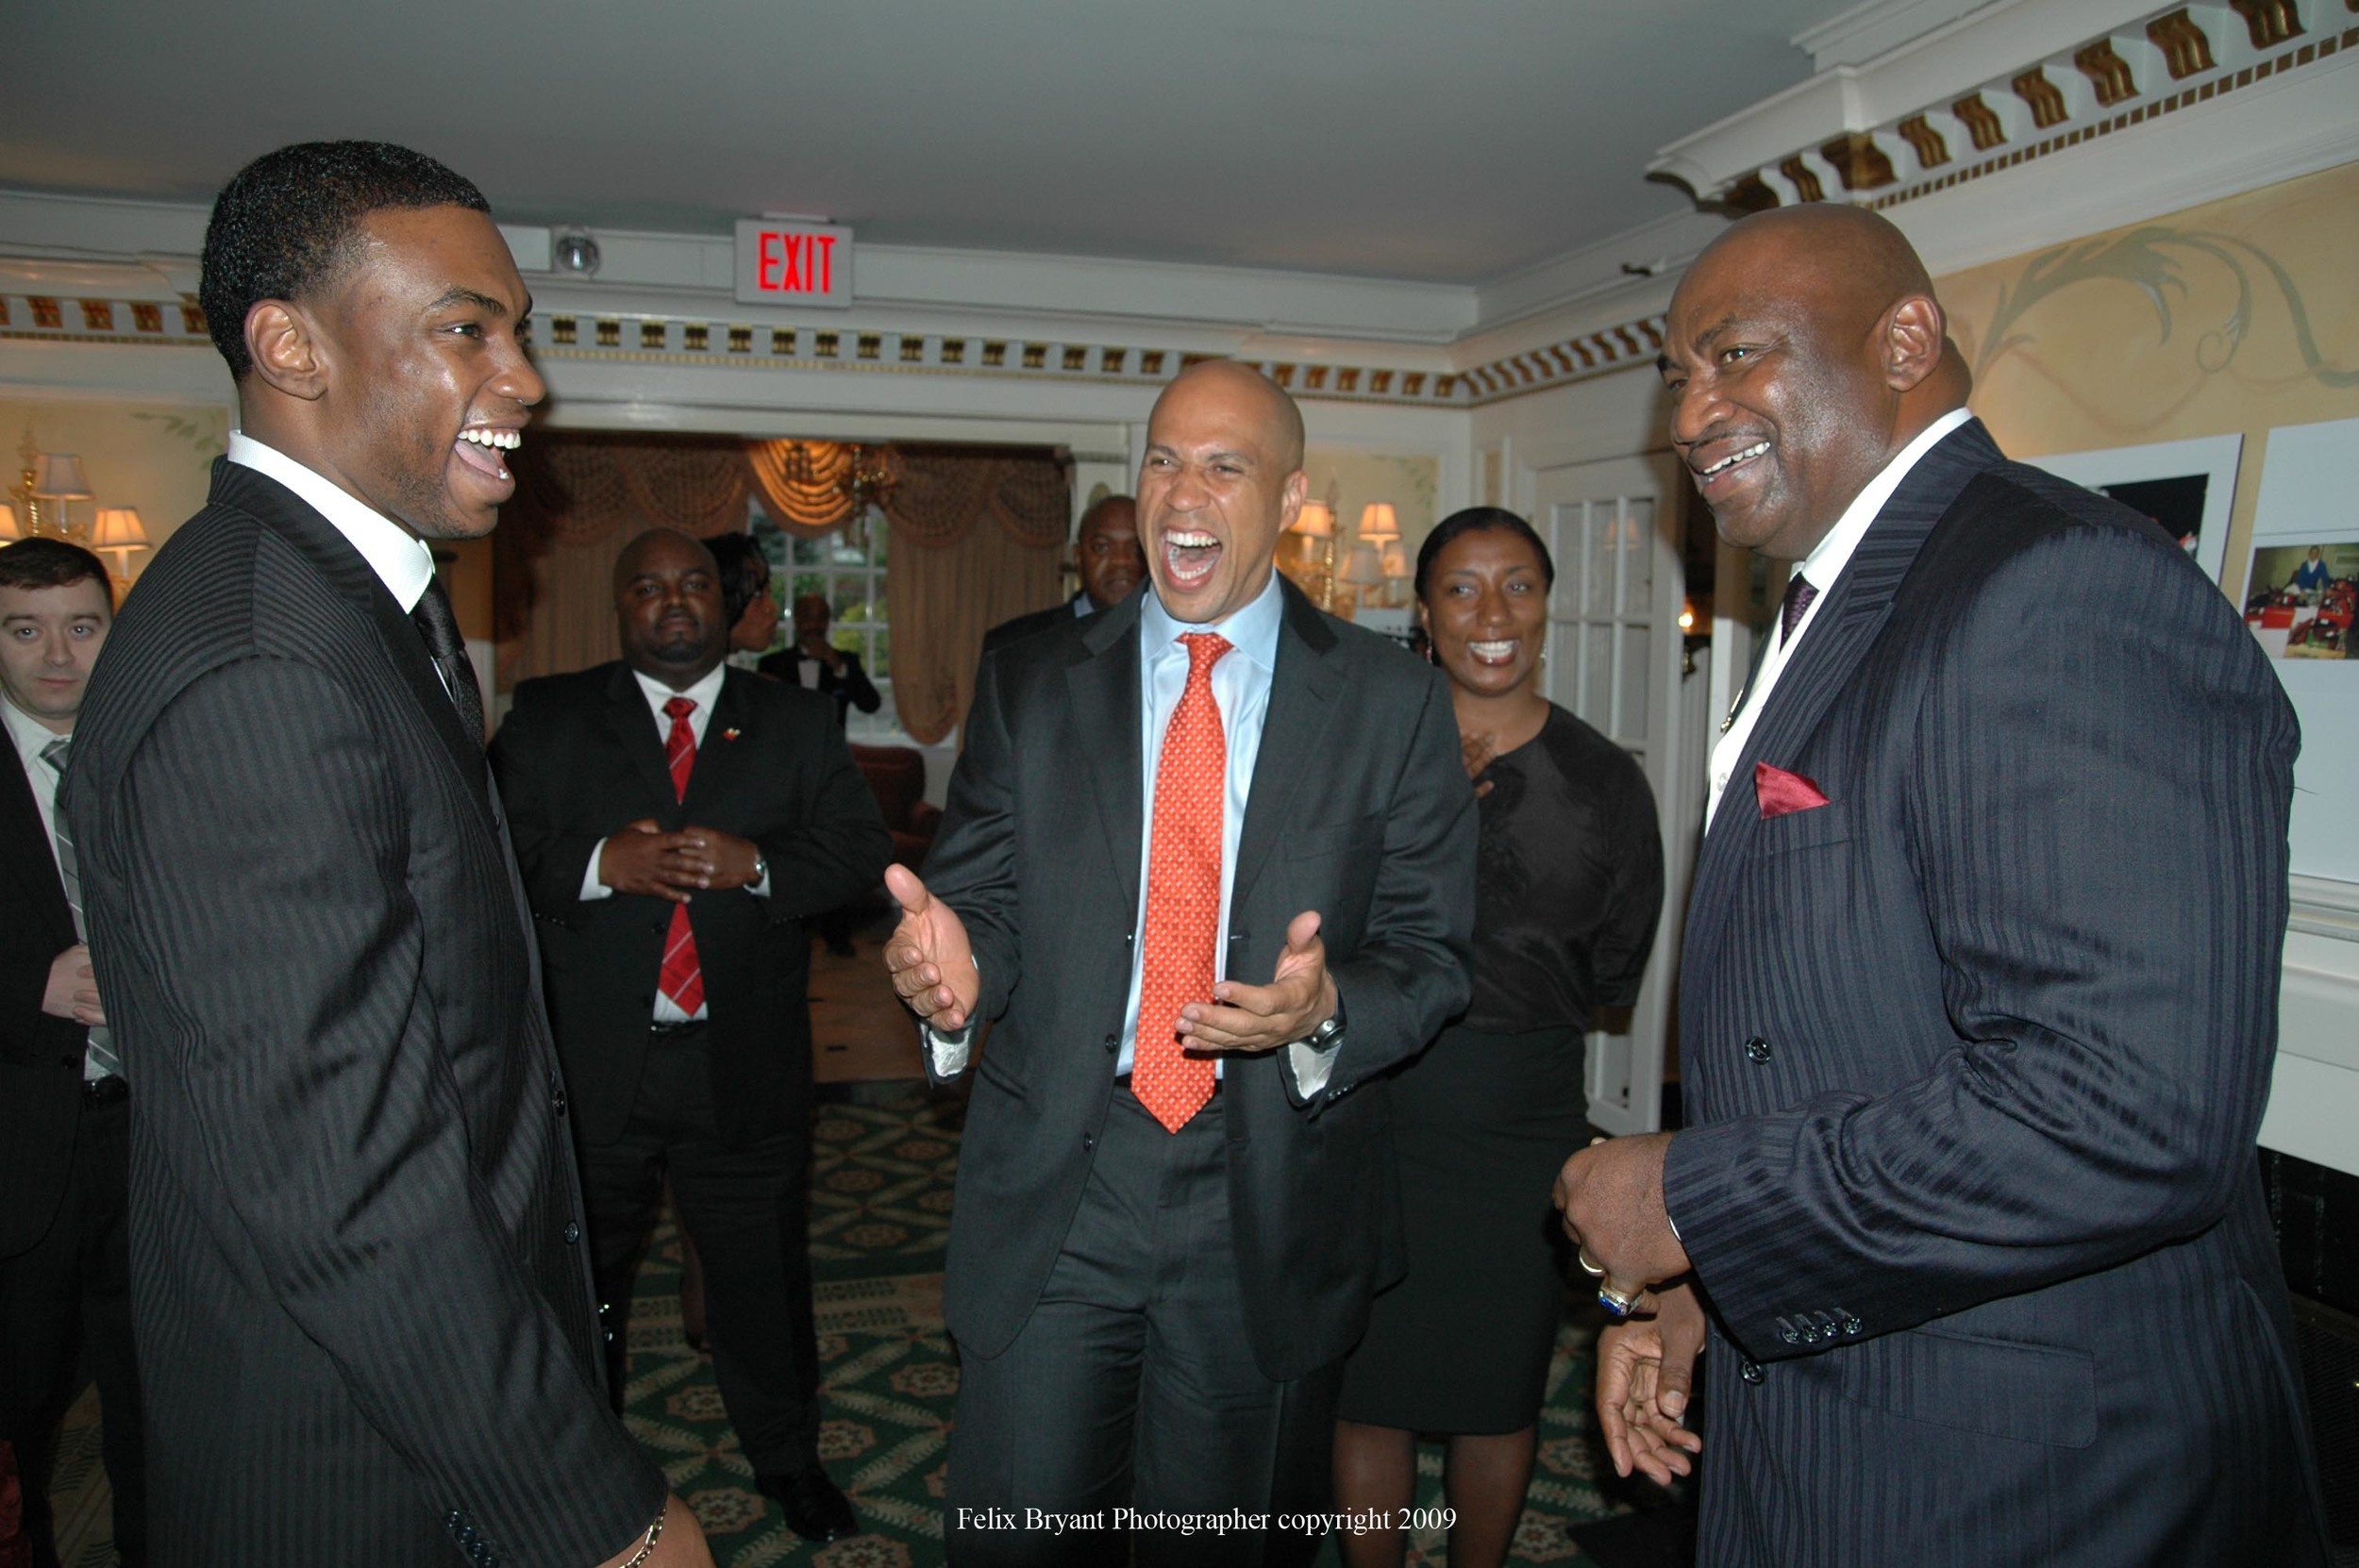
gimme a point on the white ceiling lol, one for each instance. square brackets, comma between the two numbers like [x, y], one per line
[1404, 139]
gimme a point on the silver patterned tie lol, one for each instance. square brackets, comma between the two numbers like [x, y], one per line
[100, 1058]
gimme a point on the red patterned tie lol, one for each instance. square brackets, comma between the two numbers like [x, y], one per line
[683, 977]
[1182, 892]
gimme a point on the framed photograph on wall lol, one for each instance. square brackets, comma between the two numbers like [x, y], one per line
[2187, 486]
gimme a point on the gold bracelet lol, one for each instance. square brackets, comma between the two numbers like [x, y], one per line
[647, 1550]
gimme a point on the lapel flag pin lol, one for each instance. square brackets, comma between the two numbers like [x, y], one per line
[731, 733]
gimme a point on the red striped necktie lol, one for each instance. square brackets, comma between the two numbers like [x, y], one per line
[683, 978]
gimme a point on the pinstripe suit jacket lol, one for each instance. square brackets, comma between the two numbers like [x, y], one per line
[364, 1317]
[1976, 1054]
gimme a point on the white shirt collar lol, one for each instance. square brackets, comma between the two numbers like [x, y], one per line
[31, 735]
[402, 561]
[704, 693]
[1251, 632]
[1825, 563]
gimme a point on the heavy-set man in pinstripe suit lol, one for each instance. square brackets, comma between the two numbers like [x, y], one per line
[358, 1272]
[1980, 990]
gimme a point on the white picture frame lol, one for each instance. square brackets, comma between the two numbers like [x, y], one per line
[2211, 458]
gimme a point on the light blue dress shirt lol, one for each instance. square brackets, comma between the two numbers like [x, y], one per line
[1241, 689]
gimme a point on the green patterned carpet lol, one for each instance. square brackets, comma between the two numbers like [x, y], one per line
[879, 1216]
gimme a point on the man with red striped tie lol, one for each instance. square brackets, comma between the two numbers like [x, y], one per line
[676, 821]
[1209, 866]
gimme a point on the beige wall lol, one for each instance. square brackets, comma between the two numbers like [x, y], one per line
[2224, 319]
[155, 456]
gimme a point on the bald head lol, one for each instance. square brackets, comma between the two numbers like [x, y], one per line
[1106, 551]
[1243, 386]
[1804, 349]
[1221, 480]
[667, 608]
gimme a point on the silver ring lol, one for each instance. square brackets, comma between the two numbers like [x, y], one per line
[1590, 1267]
[1617, 1303]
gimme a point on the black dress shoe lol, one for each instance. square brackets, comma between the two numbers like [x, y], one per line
[815, 1508]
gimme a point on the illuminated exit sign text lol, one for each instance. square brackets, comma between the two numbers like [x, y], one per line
[780, 262]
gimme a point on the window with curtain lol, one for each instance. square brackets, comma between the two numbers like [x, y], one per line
[846, 568]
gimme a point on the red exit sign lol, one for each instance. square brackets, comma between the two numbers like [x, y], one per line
[780, 262]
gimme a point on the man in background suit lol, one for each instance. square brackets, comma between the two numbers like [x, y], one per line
[1979, 998]
[1105, 553]
[1174, 1197]
[676, 820]
[65, 1266]
[365, 1325]
[815, 664]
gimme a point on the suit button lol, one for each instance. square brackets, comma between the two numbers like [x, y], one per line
[557, 1102]
[1089, 1143]
[573, 1233]
[661, 926]
[1757, 1048]
[1788, 1333]
[1851, 1326]
[1113, 1042]
[1751, 1372]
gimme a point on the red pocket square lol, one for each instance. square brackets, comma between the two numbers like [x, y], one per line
[1782, 793]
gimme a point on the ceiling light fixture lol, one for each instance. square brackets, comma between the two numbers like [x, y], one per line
[578, 253]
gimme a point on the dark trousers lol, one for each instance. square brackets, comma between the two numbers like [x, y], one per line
[66, 1303]
[1133, 1384]
[748, 1210]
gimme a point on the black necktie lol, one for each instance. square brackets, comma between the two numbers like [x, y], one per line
[1799, 591]
[439, 629]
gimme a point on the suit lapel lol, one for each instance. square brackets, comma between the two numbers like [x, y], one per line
[1839, 638]
[1104, 689]
[332, 556]
[633, 727]
[1294, 736]
[27, 847]
[717, 756]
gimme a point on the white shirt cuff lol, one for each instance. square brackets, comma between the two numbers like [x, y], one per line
[1311, 1066]
[591, 887]
[948, 1052]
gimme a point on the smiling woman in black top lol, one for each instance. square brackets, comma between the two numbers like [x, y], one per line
[1569, 887]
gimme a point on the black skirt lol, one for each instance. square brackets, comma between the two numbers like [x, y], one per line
[1482, 1125]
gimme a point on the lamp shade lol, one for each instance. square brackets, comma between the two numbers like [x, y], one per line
[1395, 559]
[59, 477]
[1316, 518]
[1378, 523]
[118, 526]
[1362, 568]
[10, 532]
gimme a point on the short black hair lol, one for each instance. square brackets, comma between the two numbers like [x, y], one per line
[34, 564]
[1476, 520]
[286, 225]
[745, 573]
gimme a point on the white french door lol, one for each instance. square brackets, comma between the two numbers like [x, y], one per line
[1615, 660]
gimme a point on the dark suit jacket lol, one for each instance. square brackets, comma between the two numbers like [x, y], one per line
[1975, 1054]
[1031, 620]
[365, 1324]
[579, 757]
[41, 1057]
[850, 690]
[1359, 808]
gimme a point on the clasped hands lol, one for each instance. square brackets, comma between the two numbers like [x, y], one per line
[933, 971]
[640, 857]
[73, 992]
[1611, 1195]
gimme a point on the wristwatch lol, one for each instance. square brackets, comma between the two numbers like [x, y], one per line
[762, 871]
[1328, 1033]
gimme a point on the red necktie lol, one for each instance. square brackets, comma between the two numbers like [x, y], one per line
[683, 978]
[1182, 892]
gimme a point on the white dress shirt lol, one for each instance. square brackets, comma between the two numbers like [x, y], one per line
[1823, 567]
[704, 693]
[32, 737]
[1241, 687]
[402, 561]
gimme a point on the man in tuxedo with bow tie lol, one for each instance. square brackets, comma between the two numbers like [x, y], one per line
[678, 821]
[1979, 995]
[365, 1329]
